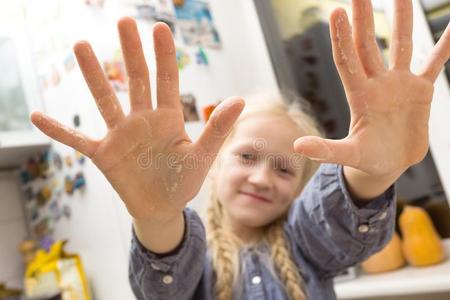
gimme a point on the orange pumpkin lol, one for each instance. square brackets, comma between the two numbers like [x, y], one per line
[422, 245]
[388, 259]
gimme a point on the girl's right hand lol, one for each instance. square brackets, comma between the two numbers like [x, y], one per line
[146, 155]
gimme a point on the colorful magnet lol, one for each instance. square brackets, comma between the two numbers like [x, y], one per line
[76, 121]
[201, 57]
[189, 107]
[79, 181]
[33, 169]
[178, 2]
[57, 161]
[183, 59]
[68, 161]
[69, 62]
[46, 242]
[55, 210]
[34, 213]
[44, 195]
[80, 157]
[196, 24]
[43, 168]
[115, 71]
[146, 12]
[207, 111]
[25, 176]
[68, 185]
[42, 228]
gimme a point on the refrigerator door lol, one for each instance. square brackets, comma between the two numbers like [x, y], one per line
[297, 36]
[298, 39]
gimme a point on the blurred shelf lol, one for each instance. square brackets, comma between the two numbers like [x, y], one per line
[17, 146]
[405, 281]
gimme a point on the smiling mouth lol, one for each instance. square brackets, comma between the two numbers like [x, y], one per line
[256, 197]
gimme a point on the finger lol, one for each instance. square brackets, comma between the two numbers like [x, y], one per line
[364, 35]
[64, 134]
[328, 151]
[166, 67]
[137, 70]
[402, 47]
[219, 125]
[439, 56]
[344, 53]
[99, 86]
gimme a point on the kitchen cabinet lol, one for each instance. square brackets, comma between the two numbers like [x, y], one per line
[18, 96]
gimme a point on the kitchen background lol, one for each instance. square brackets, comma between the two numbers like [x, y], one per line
[49, 192]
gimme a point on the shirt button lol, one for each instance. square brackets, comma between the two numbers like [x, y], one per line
[363, 228]
[256, 280]
[155, 267]
[383, 215]
[167, 279]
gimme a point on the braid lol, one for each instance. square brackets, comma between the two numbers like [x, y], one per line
[286, 268]
[224, 254]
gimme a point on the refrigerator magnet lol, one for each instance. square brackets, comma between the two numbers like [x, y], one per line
[68, 185]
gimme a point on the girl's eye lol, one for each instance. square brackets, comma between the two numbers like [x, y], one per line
[247, 157]
[283, 170]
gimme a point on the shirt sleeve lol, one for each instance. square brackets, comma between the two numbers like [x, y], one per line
[174, 275]
[333, 233]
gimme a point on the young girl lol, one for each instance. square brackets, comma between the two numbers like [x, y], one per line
[265, 241]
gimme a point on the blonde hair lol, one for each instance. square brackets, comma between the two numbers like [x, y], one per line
[224, 245]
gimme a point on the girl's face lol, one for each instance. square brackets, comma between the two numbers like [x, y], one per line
[259, 173]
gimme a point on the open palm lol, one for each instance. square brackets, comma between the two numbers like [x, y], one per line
[390, 108]
[146, 155]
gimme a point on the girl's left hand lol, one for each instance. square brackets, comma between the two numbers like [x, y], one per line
[390, 109]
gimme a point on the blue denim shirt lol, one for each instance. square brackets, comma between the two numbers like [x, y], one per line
[326, 230]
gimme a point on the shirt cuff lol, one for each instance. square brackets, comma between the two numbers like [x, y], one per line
[375, 209]
[364, 223]
[374, 217]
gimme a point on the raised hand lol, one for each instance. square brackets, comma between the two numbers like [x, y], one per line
[146, 155]
[390, 108]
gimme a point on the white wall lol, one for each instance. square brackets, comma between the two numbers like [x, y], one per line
[245, 48]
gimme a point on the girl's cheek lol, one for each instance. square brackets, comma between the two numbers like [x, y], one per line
[237, 169]
[289, 190]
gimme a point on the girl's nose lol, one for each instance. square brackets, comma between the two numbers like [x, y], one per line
[261, 176]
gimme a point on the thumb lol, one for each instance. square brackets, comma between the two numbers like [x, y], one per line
[341, 152]
[219, 125]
